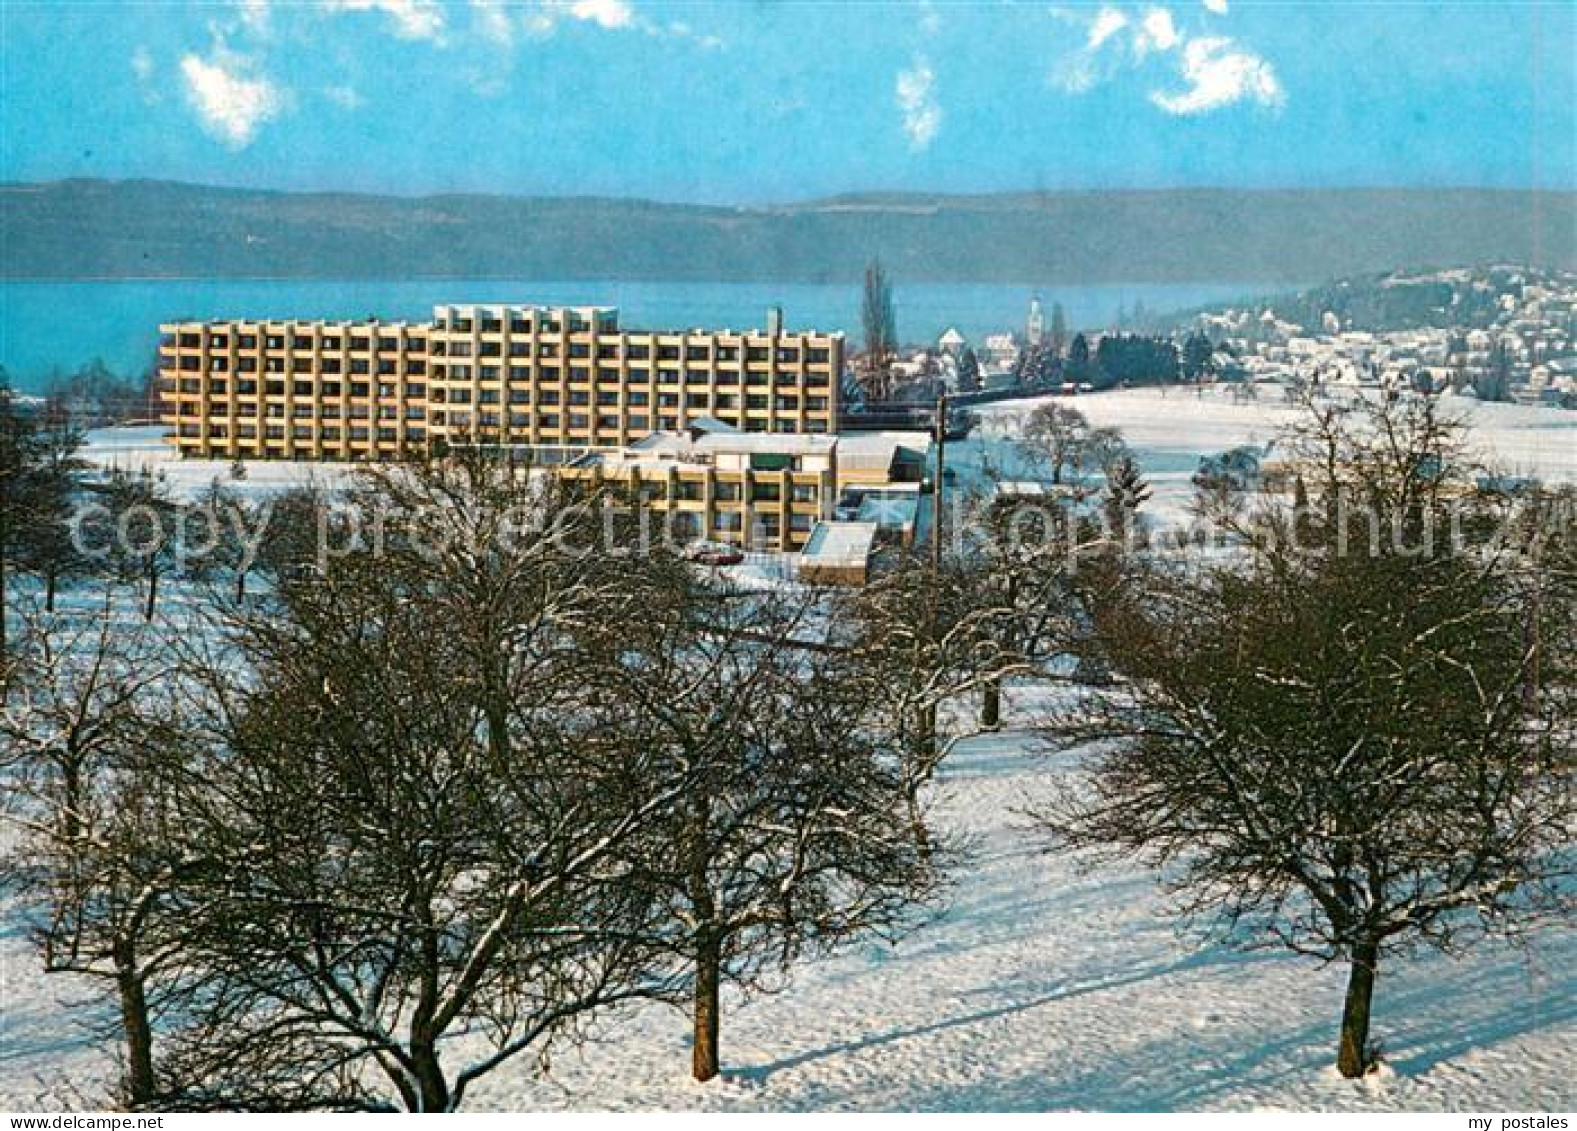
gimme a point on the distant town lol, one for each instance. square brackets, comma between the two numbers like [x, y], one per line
[1497, 334]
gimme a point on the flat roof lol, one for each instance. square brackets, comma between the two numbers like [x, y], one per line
[839, 543]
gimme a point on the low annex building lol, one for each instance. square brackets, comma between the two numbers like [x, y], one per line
[755, 490]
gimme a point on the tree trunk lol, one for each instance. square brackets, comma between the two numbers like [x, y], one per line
[5, 605]
[140, 1084]
[1352, 1059]
[240, 585]
[706, 1011]
[153, 595]
[49, 592]
[431, 1085]
[917, 825]
[991, 705]
[708, 1008]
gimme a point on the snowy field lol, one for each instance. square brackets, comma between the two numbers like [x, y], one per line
[1170, 429]
[1042, 985]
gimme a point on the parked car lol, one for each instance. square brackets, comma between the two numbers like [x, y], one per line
[714, 553]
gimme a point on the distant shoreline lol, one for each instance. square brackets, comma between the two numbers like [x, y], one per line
[99, 231]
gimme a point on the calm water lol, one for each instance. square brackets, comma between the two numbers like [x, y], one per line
[43, 325]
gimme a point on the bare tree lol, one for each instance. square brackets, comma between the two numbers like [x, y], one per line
[44, 542]
[135, 530]
[791, 837]
[98, 857]
[881, 331]
[916, 639]
[425, 825]
[1058, 437]
[1344, 744]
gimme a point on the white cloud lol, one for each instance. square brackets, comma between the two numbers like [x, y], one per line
[1219, 73]
[1156, 32]
[922, 114]
[254, 15]
[1219, 7]
[604, 13]
[544, 16]
[492, 21]
[142, 64]
[346, 97]
[230, 100]
[1107, 23]
[412, 19]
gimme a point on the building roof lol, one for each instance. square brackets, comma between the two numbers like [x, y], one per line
[876, 450]
[839, 544]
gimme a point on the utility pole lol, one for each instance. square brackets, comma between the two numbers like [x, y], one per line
[939, 488]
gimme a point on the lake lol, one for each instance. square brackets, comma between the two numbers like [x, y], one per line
[49, 324]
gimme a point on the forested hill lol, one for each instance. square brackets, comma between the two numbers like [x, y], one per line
[142, 229]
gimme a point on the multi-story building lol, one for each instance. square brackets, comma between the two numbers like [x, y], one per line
[295, 390]
[553, 381]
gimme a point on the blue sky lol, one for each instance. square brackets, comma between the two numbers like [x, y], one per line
[749, 102]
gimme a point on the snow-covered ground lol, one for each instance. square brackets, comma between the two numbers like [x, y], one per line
[1170, 429]
[1042, 985]
[143, 449]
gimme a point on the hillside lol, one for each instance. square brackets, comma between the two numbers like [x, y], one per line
[148, 229]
